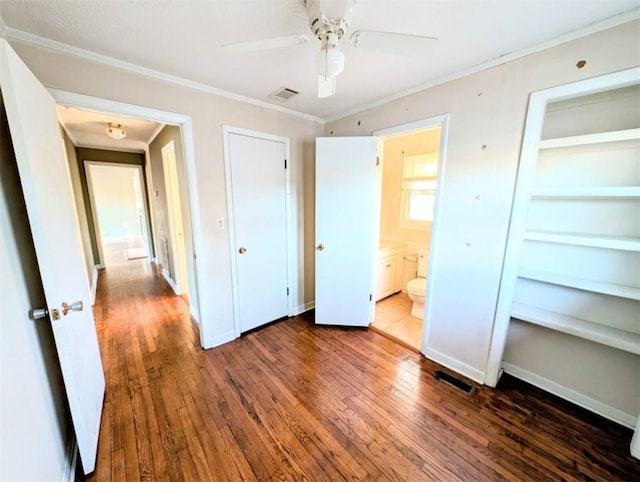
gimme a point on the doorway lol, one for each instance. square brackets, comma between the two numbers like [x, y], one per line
[119, 208]
[412, 160]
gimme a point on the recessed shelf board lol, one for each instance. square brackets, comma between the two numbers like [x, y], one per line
[611, 289]
[605, 335]
[587, 192]
[598, 138]
[623, 243]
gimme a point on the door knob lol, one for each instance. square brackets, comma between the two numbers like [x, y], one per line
[320, 247]
[77, 306]
[242, 250]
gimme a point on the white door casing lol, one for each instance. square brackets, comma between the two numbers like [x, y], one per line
[174, 214]
[46, 185]
[257, 186]
[346, 236]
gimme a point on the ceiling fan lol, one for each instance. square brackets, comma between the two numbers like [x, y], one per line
[329, 22]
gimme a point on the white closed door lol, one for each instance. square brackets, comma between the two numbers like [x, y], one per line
[46, 185]
[259, 212]
[346, 231]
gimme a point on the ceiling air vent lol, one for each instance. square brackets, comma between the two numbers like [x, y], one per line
[283, 94]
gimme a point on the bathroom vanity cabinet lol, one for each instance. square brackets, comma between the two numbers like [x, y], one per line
[389, 272]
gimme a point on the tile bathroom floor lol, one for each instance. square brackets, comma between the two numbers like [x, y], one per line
[393, 319]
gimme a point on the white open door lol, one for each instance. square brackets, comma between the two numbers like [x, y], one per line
[346, 238]
[45, 180]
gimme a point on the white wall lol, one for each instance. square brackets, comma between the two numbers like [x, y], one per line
[115, 201]
[34, 425]
[487, 112]
[208, 112]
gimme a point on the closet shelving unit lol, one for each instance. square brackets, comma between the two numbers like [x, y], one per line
[596, 218]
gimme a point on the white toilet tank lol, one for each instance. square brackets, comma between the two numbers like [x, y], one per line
[423, 260]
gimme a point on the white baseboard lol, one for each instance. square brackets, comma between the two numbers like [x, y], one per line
[571, 395]
[69, 474]
[195, 316]
[297, 310]
[635, 441]
[455, 365]
[94, 284]
[165, 275]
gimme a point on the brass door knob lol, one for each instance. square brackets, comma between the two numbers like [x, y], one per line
[242, 250]
[320, 247]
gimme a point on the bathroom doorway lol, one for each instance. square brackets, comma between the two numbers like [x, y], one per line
[411, 165]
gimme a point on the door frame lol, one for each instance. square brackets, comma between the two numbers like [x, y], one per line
[290, 219]
[205, 305]
[94, 208]
[443, 122]
[179, 282]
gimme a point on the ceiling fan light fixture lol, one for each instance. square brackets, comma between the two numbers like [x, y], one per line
[115, 131]
[330, 62]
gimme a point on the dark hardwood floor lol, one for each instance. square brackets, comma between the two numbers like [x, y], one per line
[293, 401]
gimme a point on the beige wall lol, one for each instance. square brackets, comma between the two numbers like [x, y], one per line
[34, 425]
[81, 207]
[487, 113]
[159, 201]
[393, 148]
[208, 113]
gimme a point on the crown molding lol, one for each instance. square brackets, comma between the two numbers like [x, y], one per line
[155, 133]
[11, 33]
[595, 27]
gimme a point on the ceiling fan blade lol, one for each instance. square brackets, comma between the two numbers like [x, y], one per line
[392, 42]
[266, 44]
[326, 87]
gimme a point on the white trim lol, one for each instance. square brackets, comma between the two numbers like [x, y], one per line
[94, 284]
[522, 194]
[69, 472]
[29, 38]
[292, 261]
[167, 277]
[94, 212]
[299, 309]
[205, 308]
[571, 395]
[455, 365]
[116, 148]
[223, 338]
[195, 316]
[635, 441]
[175, 221]
[564, 38]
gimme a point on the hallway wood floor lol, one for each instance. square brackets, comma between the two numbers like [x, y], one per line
[293, 401]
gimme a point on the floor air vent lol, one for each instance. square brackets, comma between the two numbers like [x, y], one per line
[283, 94]
[455, 382]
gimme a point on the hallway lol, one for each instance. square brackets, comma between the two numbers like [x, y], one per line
[293, 401]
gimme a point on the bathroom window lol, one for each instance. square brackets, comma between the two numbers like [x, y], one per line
[419, 182]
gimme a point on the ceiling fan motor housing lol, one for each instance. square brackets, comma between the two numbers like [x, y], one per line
[323, 23]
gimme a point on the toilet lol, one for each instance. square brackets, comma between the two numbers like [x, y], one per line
[417, 288]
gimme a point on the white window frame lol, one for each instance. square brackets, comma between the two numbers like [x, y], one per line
[405, 193]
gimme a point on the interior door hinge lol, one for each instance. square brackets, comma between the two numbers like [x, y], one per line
[370, 297]
[287, 291]
[285, 163]
[377, 160]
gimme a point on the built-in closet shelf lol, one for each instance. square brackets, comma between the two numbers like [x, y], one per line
[605, 335]
[623, 243]
[587, 139]
[621, 291]
[614, 192]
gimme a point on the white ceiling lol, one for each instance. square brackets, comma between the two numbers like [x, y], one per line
[88, 129]
[183, 38]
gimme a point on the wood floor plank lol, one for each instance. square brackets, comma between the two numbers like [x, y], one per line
[293, 401]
